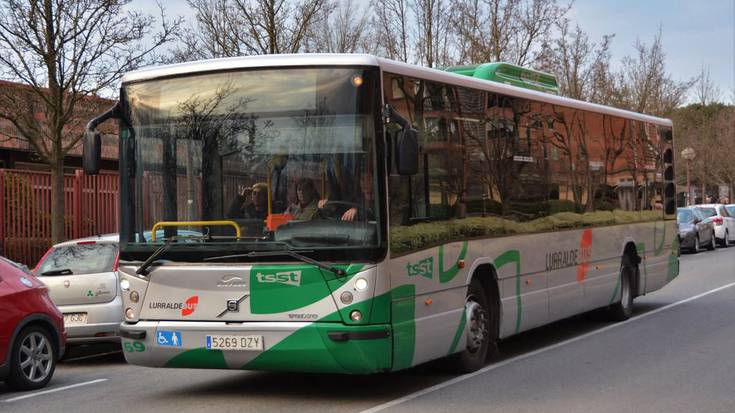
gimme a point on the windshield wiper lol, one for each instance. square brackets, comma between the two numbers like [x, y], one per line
[253, 254]
[63, 271]
[143, 269]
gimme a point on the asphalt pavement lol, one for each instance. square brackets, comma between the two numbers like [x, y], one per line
[674, 355]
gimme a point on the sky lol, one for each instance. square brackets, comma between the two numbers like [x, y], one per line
[694, 33]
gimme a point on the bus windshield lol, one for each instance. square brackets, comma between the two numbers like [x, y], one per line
[263, 159]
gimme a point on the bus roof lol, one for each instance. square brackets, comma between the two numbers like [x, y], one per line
[325, 59]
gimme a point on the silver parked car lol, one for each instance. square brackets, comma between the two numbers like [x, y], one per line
[695, 230]
[82, 279]
[81, 275]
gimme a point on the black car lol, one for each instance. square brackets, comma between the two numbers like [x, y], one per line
[695, 230]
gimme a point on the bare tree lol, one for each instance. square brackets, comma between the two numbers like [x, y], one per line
[705, 91]
[67, 52]
[504, 30]
[216, 33]
[391, 29]
[647, 87]
[432, 32]
[346, 29]
[226, 28]
[577, 62]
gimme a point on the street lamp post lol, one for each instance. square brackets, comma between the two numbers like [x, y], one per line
[688, 155]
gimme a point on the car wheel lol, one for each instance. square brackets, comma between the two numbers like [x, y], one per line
[623, 309]
[696, 247]
[478, 329]
[33, 359]
[712, 243]
[726, 240]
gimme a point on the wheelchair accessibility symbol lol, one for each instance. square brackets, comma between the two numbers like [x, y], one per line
[169, 338]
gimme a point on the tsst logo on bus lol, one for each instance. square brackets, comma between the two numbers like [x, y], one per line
[287, 277]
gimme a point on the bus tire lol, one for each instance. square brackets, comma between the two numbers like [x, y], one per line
[623, 309]
[480, 335]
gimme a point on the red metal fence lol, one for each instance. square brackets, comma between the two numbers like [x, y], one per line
[90, 207]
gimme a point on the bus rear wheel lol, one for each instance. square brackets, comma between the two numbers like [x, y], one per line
[479, 334]
[623, 309]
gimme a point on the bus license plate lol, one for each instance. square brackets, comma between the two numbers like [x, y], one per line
[242, 343]
[71, 319]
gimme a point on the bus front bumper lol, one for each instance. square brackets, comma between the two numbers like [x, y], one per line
[324, 347]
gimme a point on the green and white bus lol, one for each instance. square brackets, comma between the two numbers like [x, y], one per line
[352, 214]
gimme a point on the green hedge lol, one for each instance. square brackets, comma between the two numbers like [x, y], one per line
[415, 237]
[491, 206]
[564, 205]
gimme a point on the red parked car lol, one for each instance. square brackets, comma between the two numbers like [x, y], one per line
[32, 335]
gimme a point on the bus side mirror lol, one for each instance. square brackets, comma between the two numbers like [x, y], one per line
[92, 145]
[92, 152]
[407, 152]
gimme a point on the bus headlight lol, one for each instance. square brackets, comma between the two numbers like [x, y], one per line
[129, 313]
[125, 284]
[134, 296]
[361, 284]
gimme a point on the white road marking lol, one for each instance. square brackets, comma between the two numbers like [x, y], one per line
[41, 393]
[491, 367]
[92, 356]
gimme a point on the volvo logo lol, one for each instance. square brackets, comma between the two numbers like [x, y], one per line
[233, 306]
[231, 281]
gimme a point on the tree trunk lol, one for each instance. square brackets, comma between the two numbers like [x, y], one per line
[57, 201]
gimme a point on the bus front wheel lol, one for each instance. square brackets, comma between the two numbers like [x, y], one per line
[479, 334]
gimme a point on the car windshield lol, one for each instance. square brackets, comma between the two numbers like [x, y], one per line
[79, 259]
[708, 212]
[258, 159]
[731, 210]
[685, 216]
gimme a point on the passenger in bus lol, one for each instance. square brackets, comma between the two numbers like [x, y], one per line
[250, 202]
[307, 197]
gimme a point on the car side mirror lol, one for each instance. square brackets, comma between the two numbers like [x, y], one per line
[407, 152]
[92, 152]
[696, 221]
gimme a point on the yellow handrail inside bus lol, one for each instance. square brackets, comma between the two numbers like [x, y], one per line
[162, 224]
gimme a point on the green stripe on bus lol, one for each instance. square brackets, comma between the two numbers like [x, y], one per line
[641, 248]
[458, 333]
[282, 288]
[673, 267]
[509, 257]
[404, 325]
[448, 275]
[617, 287]
[658, 249]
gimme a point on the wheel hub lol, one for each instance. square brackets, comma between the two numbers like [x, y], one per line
[35, 357]
[476, 325]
